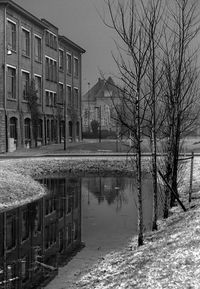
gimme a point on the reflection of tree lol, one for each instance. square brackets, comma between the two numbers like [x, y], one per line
[110, 189]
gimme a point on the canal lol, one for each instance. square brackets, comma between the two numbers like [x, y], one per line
[108, 220]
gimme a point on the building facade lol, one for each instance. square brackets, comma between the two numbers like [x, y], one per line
[99, 104]
[32, 51]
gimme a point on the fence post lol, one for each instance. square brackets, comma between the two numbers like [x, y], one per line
[191, 177]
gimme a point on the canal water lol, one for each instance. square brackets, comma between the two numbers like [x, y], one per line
[109, 220]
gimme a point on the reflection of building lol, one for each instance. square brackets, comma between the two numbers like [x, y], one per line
[35, 237]
[32, 49]
[103, 95]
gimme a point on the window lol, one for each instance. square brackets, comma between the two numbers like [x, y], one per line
[51, 69]
[51, 98]
[61, 93]
[76, 191]
[61, 207]
[11, 34]
[50, 205]
[50, 235]
[69, 202]
[37, 221]
[25, 42]
[25, 84]
[61, 59]
[51, 40]
[75, 230]
[69, 234]
[77, 129]
[69, 95]
[69, 63]
[38, 49]
[38, 87]
[13, 128]
[76, 100]
[61, 240]
[11, 82]
[10, 232]
[25, 228]
[40, 129]
[25, 268]
[76, 67]
[27, 128]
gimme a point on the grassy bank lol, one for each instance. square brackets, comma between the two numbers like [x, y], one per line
[170, 257]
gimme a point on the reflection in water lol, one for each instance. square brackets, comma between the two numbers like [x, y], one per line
[107, 189]
[109, 210]
[102, 209]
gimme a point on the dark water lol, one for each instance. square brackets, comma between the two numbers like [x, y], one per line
[109, 210]
[108, 207]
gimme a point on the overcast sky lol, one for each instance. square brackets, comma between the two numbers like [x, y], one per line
[79, 21]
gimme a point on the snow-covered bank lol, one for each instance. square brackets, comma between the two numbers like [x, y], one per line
[170, 257]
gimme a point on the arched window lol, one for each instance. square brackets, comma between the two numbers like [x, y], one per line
[40, 130]
[77, 129]
[70, 130]
[48, 129]
[13, 128]
[27, 128]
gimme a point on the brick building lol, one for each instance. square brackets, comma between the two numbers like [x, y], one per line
[32, 50]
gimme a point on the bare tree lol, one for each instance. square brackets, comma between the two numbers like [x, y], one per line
[128, 19]
[32, 99]
[180, 82]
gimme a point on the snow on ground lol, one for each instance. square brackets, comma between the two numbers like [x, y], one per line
[170, 257]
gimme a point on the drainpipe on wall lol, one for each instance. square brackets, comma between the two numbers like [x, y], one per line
[5, 61]
[4, 249]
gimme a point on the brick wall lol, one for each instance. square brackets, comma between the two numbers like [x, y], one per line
[2, 132]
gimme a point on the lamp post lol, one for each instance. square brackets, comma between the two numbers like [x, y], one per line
[88, 106]
[99, 108]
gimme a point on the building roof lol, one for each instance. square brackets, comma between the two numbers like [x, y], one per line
[45, 24]
[49, 24]
[22, 11]
[67, 41]
[95, 92]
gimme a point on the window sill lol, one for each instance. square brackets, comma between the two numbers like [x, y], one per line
[26, 56]
[11, 249]
[25, 101]
[38, 61]
[11, 99]
[25, 240]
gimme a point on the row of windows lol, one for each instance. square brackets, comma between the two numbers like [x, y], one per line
[27, 128]
[11, 84]
[71, 234]
[50, 230]
[51, 97]
[68, 63]
[25, 41]
[11, 226]
[50, 40]
[50, 129]
[51, 69]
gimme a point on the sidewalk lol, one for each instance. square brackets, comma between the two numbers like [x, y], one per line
[91, 146]
[77, 148]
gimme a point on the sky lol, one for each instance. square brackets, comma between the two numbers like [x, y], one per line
[79, 21]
